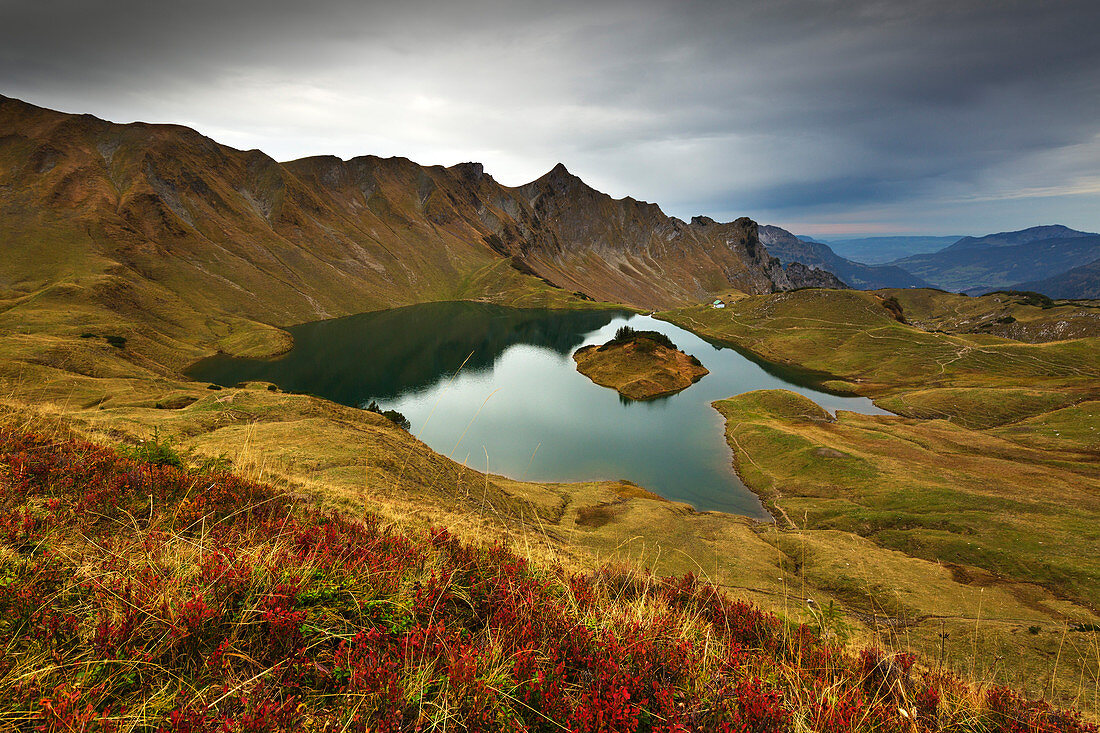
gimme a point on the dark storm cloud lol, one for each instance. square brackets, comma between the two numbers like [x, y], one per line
[909, 114]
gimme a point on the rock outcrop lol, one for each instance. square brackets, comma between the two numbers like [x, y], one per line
[798, 276]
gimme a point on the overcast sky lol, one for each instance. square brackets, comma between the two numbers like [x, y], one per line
[827, 117]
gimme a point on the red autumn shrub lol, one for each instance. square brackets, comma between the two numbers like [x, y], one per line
[135, 596]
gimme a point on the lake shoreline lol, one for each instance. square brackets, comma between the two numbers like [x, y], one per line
[497, 387]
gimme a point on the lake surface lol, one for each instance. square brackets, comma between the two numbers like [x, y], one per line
[496, 388]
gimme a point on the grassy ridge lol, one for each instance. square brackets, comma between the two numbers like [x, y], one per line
[143, 596]
[930, 489]
[1028, 317]
[853, 338]
[975, 407]
[980, 512]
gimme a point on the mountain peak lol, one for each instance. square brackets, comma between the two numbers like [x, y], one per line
[560, 174]
[557, 179]
[470, 171]
[1021, 236]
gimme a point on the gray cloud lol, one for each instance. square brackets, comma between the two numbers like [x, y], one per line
[822, 115]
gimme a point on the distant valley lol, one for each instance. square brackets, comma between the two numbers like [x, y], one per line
[1080, 282]
[789, 248]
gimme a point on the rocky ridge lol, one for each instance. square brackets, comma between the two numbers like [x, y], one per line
[791, 249]
[186, 246]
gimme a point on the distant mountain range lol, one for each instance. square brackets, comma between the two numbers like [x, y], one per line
[1003, 260]
[880, 250]
[1053, 259]
[789, 248]
[1022, 236]
[1080, 282]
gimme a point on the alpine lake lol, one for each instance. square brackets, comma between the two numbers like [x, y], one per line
[496, 388]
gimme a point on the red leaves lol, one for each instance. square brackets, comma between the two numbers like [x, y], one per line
[284, 622]
[759, 709]
[70, 709]
[194, 614]
[267, 714]
[112, 638]
[1012, 714]
[345, 625]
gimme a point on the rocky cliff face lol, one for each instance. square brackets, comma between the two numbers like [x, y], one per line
[219, 229]
[790, 249]
[803, 276]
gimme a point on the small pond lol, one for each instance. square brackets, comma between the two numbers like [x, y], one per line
[496, 388]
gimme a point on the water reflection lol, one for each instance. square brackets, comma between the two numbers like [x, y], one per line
[497, 388]
[384, 354]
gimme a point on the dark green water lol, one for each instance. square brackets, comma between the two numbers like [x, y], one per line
[496, 388]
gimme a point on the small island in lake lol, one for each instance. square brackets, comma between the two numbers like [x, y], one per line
[640, 365]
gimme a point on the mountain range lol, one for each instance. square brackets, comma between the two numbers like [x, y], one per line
[789, 248]
[881, 250]
[1004, 260]
[172, 238]
[1080, 282]
[1052, 259]
[162, 221]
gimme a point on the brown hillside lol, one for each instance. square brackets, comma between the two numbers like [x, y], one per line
[158, 218]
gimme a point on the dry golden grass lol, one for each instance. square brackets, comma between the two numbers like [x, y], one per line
[926, 527]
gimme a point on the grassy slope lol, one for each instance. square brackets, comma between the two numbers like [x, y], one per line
[929, 488]
[854, 344]
[142, 596]
[1016, 316]
[998, 494]
[1006, 527]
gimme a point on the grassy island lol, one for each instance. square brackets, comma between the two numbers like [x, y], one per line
[640, 365]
